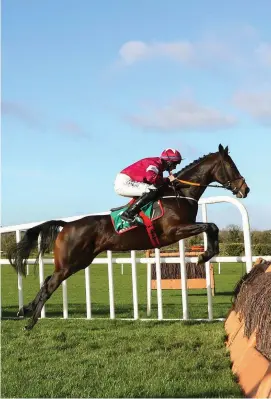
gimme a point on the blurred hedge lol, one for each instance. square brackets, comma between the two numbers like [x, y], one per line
[238, 249]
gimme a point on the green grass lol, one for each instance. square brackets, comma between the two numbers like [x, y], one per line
[105, 358]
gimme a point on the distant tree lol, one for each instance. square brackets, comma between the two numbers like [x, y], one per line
[261, 237]
[7, 239]
[266, 236]
[256, 237]
[195, 240]
[234, 234]
[223, 233]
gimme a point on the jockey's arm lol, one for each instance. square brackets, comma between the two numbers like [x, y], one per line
[153, 176]
[153, 180]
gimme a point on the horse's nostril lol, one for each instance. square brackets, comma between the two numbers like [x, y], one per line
[247, 190]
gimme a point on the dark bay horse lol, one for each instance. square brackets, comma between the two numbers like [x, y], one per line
[80, 241]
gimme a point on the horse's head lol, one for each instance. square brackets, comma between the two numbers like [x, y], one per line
[227, 174]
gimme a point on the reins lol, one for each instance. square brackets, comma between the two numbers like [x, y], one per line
[190, 183]
[226, 185]
[177, 193]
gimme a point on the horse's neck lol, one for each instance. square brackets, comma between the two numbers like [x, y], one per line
[201, 174]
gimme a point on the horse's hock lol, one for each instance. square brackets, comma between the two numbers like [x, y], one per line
[171, 274]
[248, 328]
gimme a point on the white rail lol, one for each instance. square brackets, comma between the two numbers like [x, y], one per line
[109, 260]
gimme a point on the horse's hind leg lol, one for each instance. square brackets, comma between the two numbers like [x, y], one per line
[50, 285]
[70, 256]
[28, 309]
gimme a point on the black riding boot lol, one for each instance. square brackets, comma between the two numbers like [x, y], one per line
[130, 214]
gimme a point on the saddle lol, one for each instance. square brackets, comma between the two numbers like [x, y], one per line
[148, 213]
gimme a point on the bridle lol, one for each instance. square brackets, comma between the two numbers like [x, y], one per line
[226, 185]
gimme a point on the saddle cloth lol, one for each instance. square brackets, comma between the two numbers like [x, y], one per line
[152, 211]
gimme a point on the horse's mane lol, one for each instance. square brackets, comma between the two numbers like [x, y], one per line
[193, 163]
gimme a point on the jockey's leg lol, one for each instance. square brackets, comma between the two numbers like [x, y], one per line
[128, 188]
[130, 213]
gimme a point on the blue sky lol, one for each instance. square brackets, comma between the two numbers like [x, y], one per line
[89, 87]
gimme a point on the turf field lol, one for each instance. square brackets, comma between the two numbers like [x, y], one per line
[105, 358]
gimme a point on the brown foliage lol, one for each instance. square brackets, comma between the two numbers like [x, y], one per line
[172, 271]
[252, 299]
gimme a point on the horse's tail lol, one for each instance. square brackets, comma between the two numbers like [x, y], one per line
[19, 252]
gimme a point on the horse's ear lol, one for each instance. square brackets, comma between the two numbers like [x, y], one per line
[227, 150]
[221, 149]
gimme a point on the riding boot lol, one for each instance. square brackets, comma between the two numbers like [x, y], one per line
[130, 214]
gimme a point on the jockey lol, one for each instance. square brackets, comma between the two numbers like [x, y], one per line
[142, 179]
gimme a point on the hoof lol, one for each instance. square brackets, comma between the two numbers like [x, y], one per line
[200, 260]
[20, 313]
[28, 327]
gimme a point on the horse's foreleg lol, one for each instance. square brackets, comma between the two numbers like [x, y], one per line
[189, 230]
[212, 243]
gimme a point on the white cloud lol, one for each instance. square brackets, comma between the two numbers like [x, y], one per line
[256, 104]
[242, 48]
[133, 51]
[71, 127]
[212, 49]
[208, 50]
[182, 114]
[35, 120]
[23, 113]
[263, 52]
[249, 32]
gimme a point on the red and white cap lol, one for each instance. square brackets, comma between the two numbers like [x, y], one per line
[171, 155]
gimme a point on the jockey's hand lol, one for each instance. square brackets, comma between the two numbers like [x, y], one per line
[171, 178]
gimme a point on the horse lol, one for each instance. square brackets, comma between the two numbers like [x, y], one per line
[80, 241]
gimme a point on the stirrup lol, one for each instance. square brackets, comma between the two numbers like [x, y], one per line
[128, 218]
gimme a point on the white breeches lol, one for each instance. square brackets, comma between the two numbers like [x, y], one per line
[127, 187]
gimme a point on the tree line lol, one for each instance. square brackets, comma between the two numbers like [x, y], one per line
[231, 242]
